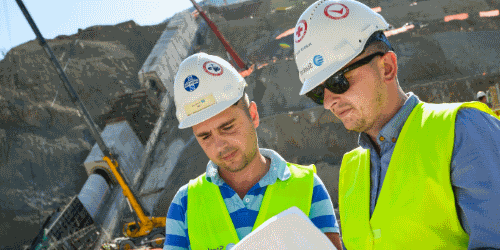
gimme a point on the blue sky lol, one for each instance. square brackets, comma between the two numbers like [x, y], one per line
[65, 17]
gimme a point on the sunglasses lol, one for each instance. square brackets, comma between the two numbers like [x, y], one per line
[337, 83]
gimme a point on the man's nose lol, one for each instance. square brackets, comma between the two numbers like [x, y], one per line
[219, 142]
[329, 99]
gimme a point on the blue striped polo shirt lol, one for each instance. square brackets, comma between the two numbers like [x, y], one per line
[243, 212]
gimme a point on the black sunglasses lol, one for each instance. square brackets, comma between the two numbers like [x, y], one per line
[337, 83]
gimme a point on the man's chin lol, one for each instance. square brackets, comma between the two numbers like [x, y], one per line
[348, 125]
[234, 169]
[354, 127]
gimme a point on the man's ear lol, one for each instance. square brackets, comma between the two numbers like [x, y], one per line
[389, 64]
[254, 114]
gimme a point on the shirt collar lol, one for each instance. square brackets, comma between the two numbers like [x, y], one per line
[391, 130]
[277, 170]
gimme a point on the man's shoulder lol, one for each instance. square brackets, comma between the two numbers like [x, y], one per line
[311, 167]
[468, 113]
[356, 152]
[469, 118]
[317, 180]
[184, 188]
[181, 194]
[474, 107]
[463, 114]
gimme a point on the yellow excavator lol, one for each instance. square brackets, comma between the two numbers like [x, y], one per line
[144, 230]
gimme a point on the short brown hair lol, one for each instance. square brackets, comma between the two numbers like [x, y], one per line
[244, 103]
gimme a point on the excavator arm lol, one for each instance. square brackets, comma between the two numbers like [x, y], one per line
[145, 225]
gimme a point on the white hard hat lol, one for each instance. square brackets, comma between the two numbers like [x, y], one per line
[480, 94]
[204, 86]
[328, 35]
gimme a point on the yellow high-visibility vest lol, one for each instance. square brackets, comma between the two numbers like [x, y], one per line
[209, 223]
[416, 206]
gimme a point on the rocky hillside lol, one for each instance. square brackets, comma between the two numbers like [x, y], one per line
[43, 139]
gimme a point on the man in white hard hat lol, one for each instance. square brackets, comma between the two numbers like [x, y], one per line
[481, 96]
[243, 185]
[426, 176]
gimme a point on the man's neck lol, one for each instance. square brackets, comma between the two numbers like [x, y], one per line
[241, 182]
[388, 112]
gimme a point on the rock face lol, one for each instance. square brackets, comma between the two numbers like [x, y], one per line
[44, 139]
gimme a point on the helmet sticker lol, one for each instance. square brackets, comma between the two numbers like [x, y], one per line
[303, 48]
[200, 104]
[304, 70]
[300, 31]
[336, 11]
[191, 83]
[212, 68]
[318, 60]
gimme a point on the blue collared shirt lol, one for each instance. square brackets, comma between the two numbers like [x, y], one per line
[475, 169]
[243, 212]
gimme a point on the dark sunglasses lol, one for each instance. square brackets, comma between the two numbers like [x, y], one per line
[337, 83]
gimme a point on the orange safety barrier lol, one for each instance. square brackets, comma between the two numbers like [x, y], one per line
[260, 66]
[490, 13]
[377, 9]
[286, 33]
[398, 30]
[461, 16]
[195, 14]
[247, 72]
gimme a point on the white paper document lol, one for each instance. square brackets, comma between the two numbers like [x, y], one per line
[290, 229]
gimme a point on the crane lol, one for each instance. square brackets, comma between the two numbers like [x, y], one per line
[143, 226]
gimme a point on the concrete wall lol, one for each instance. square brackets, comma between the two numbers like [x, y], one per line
[471, 52]
[445, 55]
[121, 139]
[173, 46]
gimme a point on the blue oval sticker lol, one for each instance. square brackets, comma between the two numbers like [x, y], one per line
[191, 83]
[318, 60]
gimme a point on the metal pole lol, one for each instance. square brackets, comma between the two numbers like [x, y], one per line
[223, 40]
[96, 132]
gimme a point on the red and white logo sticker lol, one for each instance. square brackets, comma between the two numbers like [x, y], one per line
[300, 31]
[336, 11]
[212, 68]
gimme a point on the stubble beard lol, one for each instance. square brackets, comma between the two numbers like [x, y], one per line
[359, 125]
[353, 124]
[363, 124]
[247, 158]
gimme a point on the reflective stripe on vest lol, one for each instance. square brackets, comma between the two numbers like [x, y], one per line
[416, 205]
[209, 223]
